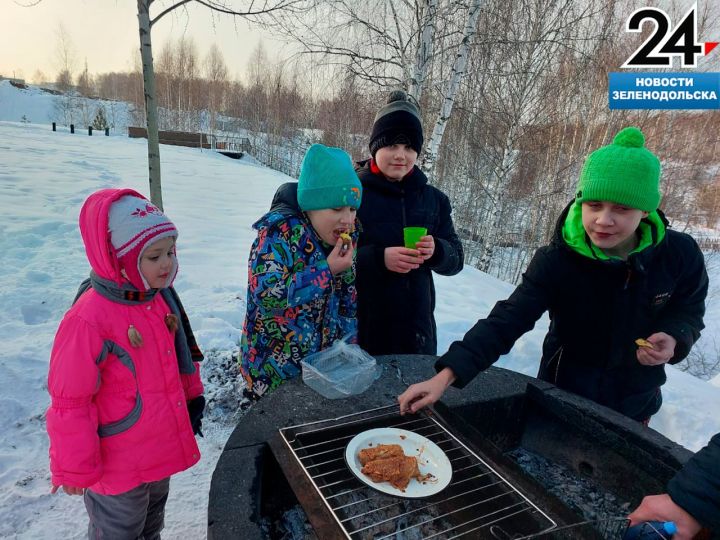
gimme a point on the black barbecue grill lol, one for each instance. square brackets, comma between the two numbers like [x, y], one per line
[287, 457]
[478, 503]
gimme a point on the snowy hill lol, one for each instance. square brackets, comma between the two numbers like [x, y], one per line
[39, 106]
[44, 179]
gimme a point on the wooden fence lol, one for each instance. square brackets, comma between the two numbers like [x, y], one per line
[175, 138]
[236, 145]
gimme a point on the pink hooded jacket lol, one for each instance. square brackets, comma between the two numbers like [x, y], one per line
[118, 416]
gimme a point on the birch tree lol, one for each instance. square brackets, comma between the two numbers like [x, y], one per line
[388, 45]
[394, 45]
[424, 52]
[448, 99]
[246, 8]
[525, 66]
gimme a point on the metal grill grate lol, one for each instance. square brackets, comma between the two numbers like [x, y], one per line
[478, 502]
[607, 529]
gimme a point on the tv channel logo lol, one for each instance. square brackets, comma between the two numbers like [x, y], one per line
[665, 46]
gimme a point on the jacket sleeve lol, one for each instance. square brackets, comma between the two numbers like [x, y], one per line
[448, 257]
[683, 315]
[192, 383]
[696, 487]
[72, 418]
[348, 304]
[494, 336]
[279, 275]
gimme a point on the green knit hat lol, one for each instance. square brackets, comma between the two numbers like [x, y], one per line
[327, 180]
[624, 172]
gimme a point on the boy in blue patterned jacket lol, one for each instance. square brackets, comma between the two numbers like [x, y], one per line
[301, 272]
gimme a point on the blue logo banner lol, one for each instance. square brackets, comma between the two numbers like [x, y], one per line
[653, 90]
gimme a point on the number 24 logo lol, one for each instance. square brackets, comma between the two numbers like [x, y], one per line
[659, 49]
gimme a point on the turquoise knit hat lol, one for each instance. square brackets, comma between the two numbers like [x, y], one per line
[624, 172]
[327, 180]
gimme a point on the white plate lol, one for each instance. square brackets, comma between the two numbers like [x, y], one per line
[431, 459]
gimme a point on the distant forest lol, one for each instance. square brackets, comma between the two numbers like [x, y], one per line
[529, 102]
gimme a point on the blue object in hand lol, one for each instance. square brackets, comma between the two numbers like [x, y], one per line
[651, 530]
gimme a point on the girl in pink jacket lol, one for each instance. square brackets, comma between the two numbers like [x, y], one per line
[124, 376]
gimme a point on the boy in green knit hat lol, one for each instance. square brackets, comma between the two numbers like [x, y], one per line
[625, 294]
[301, 272]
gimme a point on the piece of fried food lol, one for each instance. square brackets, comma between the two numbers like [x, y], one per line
[347, 241]
[644, 343]
[381, 451]
[397, 470]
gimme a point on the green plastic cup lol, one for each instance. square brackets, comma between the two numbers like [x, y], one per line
[412, 236]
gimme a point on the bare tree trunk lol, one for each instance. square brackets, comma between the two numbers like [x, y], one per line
[150, 103]
[456, 77]
[424, 50]
[499, 191]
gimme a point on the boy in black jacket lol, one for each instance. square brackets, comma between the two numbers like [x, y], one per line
[396, 293]
[625, 294]
[693, 497]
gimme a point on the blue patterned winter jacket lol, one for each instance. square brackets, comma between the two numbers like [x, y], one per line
[295, 306]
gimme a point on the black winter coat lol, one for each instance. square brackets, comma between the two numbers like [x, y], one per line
[395, 311]
[597, 310]
[696, 488]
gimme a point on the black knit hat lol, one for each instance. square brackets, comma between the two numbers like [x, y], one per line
[397, 122]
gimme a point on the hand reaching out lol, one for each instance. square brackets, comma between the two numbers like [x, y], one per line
[425, 393]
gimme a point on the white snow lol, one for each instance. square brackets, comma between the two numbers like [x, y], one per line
[38, 106]
[44, 179]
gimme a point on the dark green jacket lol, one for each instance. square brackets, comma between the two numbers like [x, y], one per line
[597, 308]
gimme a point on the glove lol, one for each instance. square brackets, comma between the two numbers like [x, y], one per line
[195, 410]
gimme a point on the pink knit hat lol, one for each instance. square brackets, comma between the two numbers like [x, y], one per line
[134, 224]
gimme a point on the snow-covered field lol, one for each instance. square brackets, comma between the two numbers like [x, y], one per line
[44, 178]
[37, 106]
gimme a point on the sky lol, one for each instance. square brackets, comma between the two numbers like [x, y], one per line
[45, 177]
[106, 33]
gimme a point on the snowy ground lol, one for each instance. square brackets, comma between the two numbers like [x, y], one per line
[44, 179]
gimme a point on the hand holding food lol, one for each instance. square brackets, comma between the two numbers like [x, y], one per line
[657, 349]
[341, 256]
[346, 241]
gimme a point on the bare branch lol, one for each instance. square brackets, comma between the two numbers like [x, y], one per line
[220, 7]
[168, 10]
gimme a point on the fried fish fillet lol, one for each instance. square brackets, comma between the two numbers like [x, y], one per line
[397, 470]
[381, 451]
